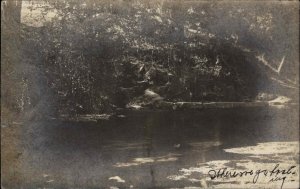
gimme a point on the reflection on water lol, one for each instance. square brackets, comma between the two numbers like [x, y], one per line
[264, 156]
[140, 161]
[160, 149]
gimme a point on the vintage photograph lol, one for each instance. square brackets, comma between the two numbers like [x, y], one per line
[175, 94]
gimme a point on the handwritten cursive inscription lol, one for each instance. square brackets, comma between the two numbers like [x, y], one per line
[275, 174]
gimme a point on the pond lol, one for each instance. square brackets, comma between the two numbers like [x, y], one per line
[162, 149]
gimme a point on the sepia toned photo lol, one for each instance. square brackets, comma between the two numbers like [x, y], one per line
[175, 94]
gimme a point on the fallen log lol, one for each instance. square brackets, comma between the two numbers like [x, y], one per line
[208, 105]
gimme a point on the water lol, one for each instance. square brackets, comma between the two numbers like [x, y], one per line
[157, 149]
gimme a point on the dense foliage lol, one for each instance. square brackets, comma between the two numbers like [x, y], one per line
[97, 56]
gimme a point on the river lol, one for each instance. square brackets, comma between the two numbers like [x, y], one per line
[162, 149]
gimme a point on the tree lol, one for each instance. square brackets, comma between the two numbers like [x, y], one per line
[97, 56]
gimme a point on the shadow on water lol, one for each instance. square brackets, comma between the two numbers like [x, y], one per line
[145, 147]
[233, 127]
